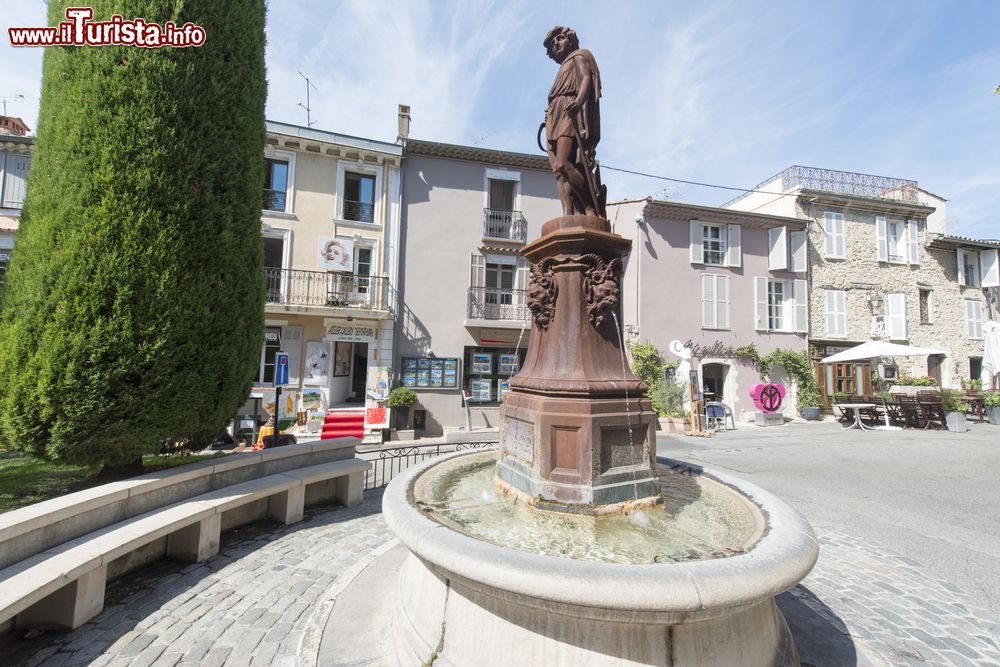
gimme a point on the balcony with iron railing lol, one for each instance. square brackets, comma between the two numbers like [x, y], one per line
[504, 225]
[359, 211]
[292, 287]
[494, 303]
[840, 182]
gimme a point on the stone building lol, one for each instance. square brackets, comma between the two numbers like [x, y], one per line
[330, 224]
[876, 272]
[463, 323]
[705, 281]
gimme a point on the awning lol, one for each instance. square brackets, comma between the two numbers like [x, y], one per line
[878, 348]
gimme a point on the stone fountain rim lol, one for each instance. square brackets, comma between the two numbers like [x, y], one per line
[783, 556]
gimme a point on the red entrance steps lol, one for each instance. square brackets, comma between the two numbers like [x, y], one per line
[341, 423]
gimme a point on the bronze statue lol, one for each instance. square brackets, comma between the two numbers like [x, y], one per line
[573, 125]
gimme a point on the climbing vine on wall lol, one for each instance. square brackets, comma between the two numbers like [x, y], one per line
[798, 365]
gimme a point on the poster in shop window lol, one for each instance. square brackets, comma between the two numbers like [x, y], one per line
[480, 390]
[317, 363]
[503, 386]
[509, 364]
[482, 362]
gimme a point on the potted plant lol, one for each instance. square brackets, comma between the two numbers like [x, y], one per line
[668, 397]
[402, 399]
[954, 409]
[991, 400]
[809, 403]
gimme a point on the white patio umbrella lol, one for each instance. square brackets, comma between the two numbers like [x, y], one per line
[875, 349]
[991, 353]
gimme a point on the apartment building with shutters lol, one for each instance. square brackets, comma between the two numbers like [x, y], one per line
[15, 160]
[714, 280]
[330, 212]
[881, 266]
[463, 325]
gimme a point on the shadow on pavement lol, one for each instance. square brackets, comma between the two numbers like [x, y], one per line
[820, 635]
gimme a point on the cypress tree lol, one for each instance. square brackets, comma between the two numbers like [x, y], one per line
[133, 307]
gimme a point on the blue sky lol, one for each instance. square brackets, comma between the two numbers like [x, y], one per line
[727, 93]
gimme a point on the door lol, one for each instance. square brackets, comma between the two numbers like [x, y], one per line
[274, 254]
[934, 367]
[359, 374]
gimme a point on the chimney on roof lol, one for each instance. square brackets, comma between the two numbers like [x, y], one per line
[404, 123]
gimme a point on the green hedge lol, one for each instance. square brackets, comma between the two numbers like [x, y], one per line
[133, 308]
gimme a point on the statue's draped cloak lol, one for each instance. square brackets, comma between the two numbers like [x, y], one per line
[559, 123]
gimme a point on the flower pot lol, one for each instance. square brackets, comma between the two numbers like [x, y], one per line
[993, 414]
[956, 422]
[812, 414]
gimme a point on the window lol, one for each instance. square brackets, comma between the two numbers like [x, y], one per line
[714, 301]
[713, 245]
[896, 241]
[836, 313]
[968, 268]
[4, 260]
[13, 176]
[782, 305]
[926, 312]
[775, 305]
[488, 371]
[359, 197]
[499, 284]
[501, 194]
[833, 231]
[272, 343]
[362, 268]
[276, 185]
[896, 316]
[976, 369]
[973, 318]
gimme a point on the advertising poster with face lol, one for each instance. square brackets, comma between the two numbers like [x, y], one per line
[336, 254]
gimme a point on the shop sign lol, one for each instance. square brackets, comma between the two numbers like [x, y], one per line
[349, 332]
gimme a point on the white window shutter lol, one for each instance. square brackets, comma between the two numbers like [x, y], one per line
[913, 238]
[896, 304]
[777, 249]
[697, 256]
[836, 313]
[734, 250]
[291, 344]
[801, 320]
[960, 257]
[841, 237]
[829, 247]
[722, 301]
[760, 300]
[477, 277]
[799, 252]
[708, 298]
[15, 176]
[989, 268]
[881, 239]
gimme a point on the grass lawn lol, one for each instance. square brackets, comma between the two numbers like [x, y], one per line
[25, 480]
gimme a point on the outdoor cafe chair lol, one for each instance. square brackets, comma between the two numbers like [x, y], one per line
[931, 411]
[715, 415]
[909, 406]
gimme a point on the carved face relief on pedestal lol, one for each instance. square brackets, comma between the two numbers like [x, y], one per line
[601, 283]
[542, 291]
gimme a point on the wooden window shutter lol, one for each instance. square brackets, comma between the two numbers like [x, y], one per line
[881, 239]
[697, 257]
[734, 250]
[777, 249]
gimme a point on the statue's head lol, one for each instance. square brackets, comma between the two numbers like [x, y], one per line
[568, 33]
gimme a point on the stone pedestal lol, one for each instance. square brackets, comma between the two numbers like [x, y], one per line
[576, 433]
[768, 418]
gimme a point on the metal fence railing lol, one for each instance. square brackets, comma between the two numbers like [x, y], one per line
[294, 287]
[493, 303]
[504, 225]
[387, 463]
[359, 211]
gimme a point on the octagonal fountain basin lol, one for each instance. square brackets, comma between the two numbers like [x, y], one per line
[490, 581]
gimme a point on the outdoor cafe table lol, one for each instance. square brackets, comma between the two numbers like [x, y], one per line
[857, 408]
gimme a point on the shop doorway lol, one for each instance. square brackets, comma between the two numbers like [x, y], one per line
[713, 380]
[934, 368]
[359, 372]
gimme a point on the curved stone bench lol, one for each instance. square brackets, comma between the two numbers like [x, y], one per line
[62, 584]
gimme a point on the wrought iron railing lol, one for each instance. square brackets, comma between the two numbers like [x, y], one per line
[318, 288]
[842, 182]
[274, 200]
[387, 463]
[359, 211]
[504, 225]
[493, 303]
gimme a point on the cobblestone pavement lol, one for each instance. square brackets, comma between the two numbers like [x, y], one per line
[892, 610]
[250, 605]
[254, 603]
